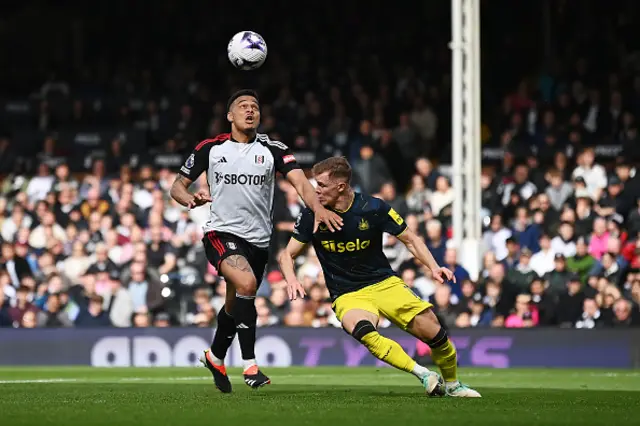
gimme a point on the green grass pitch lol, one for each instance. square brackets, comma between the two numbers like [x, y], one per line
[313, 396]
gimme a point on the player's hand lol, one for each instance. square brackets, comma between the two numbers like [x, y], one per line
[199, 198]
[295, 289]
[442, 275]
[329, 218]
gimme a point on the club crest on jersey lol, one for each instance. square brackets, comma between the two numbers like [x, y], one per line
[363, 225]
[259, 159]
[232, 245]
[322, 227]
[190, 161]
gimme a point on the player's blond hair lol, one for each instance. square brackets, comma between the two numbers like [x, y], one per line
[338, 168]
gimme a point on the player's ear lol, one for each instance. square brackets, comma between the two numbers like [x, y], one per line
[229, 117]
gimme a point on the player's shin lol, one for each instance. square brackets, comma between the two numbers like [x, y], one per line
[444, 356]
[225, 332]
[245, 316]
[381, 347]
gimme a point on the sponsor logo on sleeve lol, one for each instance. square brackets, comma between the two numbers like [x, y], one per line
[396, 217]
[288, 159]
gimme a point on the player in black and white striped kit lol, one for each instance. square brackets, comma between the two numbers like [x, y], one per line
[241, 171]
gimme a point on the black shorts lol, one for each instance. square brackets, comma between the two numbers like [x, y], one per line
[220, 245]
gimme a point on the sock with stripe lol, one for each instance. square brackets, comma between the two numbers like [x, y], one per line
[444, 356]
[245, 316]
[225, 332]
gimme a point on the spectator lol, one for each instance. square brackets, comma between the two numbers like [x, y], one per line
[624, 314]
[118, 302]
[21, 307]
[145, 292]
[591, 315]
[265, 318]
[570, 304]
[53, 316]
[582, 262]
[599, 238]
[496, 237]
[442, 197]
[523, 274]
[94, 315]
[446, 311]
[436, 240]
[459, 272]
[543, 261]
[370, 170]
[523, 316]
[560, 275]
[16, 267]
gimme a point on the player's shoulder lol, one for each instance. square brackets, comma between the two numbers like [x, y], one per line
[265, 140]
[369, 204]
[306, 213]
[207, 144]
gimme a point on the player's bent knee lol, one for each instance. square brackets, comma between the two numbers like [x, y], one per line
[440, 339]
[246, 285]
[361, 329]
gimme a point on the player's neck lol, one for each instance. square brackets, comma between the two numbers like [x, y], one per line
[344, 202]
[242, 137]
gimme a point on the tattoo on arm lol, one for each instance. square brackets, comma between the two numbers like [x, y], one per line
[183, 180]
[238, 262]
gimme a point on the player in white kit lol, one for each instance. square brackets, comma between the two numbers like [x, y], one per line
[241, 171]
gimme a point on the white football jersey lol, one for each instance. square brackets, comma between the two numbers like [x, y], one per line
[242, 179]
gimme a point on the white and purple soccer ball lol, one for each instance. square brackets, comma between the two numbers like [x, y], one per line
[247, 50]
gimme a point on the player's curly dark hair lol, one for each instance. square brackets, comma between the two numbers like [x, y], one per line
[242, 92]
[338, 168]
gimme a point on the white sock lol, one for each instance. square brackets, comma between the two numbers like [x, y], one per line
[419, 371]
[451, 385]
[249, 363]
[217, 361]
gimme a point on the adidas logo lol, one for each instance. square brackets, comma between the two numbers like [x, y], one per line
[222, 160]
[241, 325]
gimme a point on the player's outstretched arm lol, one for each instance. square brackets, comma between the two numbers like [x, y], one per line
[286, 258]
[180, 192]
[419, 249]
[308, 195]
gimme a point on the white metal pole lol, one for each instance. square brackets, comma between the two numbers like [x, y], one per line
[456, 119]
[468, 118]
[477, 130]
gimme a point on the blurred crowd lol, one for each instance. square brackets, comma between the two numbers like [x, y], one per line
[99, 242]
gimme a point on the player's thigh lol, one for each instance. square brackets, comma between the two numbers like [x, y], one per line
[425, 325]
[258, 259]
[229, 255]
[354, 307]
[398, 303]
[354, 316]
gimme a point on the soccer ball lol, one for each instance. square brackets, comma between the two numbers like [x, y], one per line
[247, 50]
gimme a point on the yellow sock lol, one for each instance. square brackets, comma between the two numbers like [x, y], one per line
[388, 351]
[445, 358]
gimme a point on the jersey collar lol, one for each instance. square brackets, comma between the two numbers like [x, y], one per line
[353, 200]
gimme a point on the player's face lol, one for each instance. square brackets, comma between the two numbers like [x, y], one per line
[245, 114]
[328, 190]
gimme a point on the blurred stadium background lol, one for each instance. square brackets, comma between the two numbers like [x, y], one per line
[100, 102]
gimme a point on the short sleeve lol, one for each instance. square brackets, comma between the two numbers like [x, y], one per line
[197, 162]
[303, 229]
[284, 159]
[390, 221]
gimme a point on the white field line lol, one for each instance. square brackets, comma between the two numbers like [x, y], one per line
[296, 376]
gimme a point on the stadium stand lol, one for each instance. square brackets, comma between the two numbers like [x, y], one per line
[92, 138]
